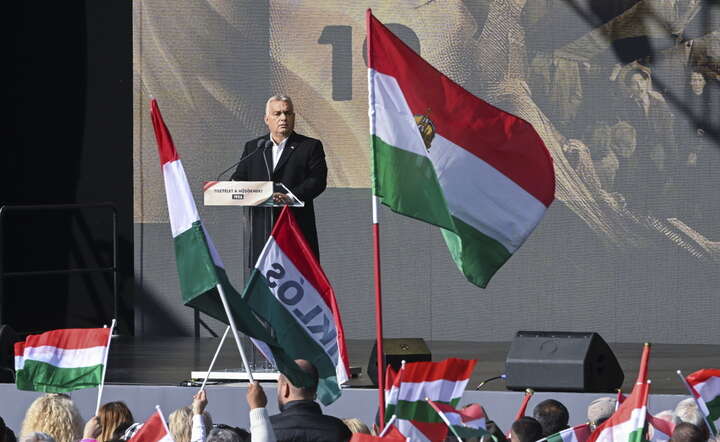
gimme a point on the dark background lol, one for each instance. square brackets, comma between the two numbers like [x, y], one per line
[68, 139]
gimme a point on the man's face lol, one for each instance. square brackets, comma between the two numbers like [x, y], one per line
[281, 384]
[280, 119]
[638, 85]
[697, 83]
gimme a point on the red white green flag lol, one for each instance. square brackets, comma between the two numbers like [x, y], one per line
[63, 360]
[627, 424]
[289, 290]
[705, 386]
[446, 157]
[154, 429]
[659, 430]
[467, 422]
[578, 433]
[199, 266]
[441, 382]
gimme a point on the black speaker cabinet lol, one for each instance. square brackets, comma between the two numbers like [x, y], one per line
[562, 361]
[396, 351]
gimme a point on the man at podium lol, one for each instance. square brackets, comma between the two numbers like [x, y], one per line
[286, 157]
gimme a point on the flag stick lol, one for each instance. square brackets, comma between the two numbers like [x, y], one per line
[104, 370]
[444, 418]
[231, 320]
[376, 246]
[162, 419]
[523, 406]
[387, 427]
[692, 395]
[212, 363]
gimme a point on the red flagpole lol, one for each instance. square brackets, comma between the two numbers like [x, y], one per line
[376, 259]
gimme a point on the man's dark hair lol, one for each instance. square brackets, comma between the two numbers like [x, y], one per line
[687, 432]
[527, 429]
[552, 416]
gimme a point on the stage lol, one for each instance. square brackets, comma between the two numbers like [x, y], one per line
[144, 372]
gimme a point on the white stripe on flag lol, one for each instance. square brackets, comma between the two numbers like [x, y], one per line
[709, 389]
[63, 358]
[181, 205]
[300, 298]
[440, 390]
[621, 431]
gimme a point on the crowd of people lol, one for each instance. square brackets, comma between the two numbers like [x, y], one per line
[55, 418]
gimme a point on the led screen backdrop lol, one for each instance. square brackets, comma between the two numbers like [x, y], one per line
[623, 92]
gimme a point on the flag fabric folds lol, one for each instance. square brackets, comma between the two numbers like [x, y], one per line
[705, 384]
[153, 430]
[199, 266]
[63, 360]
[446, 157]
[289, 290]
[441, 382]
[578, 433]
[464, 423]
[661, 429]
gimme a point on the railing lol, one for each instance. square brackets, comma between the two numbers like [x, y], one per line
[7, 209]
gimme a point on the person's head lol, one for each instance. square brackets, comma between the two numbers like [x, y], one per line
[37, 436]
[279, 116]
[222, 435]
[600, 410]
[526, 429]
[6, 434]
[56, 415]
[180, 423]
[687, 432]
[697, 82]
[356, 425]
[288, 392]
[552, 416]
[639, 82]
[111, 416]
[687, 411]
[624, 139]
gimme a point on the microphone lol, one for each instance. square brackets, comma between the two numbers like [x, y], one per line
[480, 385]
[261, 146]
[268, 145]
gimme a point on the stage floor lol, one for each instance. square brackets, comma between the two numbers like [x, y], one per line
[169, 361]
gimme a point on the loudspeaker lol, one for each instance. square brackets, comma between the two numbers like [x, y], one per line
[396, 351]
[562, 361]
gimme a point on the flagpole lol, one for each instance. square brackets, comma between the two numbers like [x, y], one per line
[231, 320]
[523, 406]
[162, 419]
[212, 363]
[104, 370]
[387, 427]
[376, 245]
[692, 394]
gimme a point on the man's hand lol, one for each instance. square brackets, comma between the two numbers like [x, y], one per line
[280, 198]
[92, 428]
[256, 396]
[199, 402]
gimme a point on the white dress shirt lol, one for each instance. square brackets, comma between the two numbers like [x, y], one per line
[277, 151]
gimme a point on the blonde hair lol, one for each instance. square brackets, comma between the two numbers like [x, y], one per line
[356, 425]
[111, 416]
[56, 415]
[180, 423]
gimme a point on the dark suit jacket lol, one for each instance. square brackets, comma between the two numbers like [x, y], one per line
[303, 421]
[302, 169]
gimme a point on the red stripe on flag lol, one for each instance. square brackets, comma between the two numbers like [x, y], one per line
[166, 146]
[69, 338]
[506, 142]
[451, 369]
[702, 375]
[289, 238]
[637, 399]
[152, 430]
[662, 425]
[435, 431]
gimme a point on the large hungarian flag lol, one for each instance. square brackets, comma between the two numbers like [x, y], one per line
[578, 433]
[199, 266]
[64, 360]
[441, 382]
[446, 157]
[705, 384]
[289, 290]
[465, 423]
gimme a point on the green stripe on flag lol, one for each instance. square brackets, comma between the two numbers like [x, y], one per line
[41, 376]
[467, 432]
[554, 438]
[477, 256]
[196, 268]
[407, 183]
[420, 411]
[714, 408]
[291, 335]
